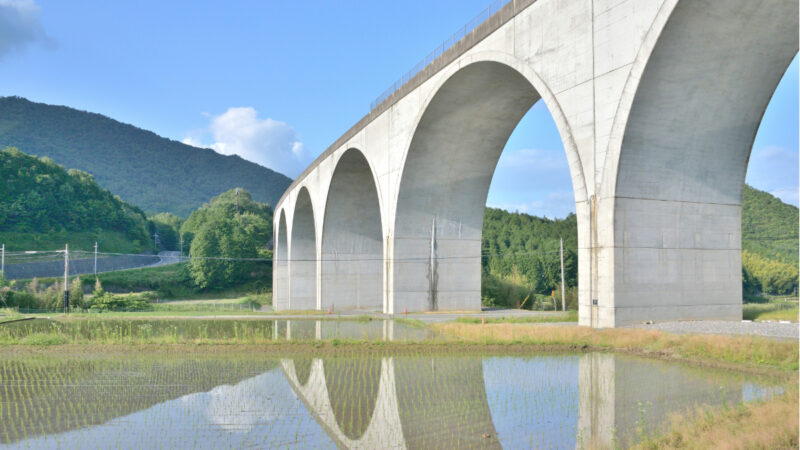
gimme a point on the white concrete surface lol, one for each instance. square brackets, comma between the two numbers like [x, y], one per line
[657, 103]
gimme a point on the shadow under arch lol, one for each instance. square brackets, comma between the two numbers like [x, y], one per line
[677, 161]
[281, 288]
[303, 261]
[436, 248]
[352, 237]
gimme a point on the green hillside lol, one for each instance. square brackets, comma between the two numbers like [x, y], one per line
[42, 206]
[769, 226]
[522, 250]
[154, 173]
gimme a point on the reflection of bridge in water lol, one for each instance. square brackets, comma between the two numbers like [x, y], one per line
[469, 402]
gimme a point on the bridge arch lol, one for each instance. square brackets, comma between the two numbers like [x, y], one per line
[281, 285]
[446, 174]
[678, 156]
[352, 237]
[303, 255]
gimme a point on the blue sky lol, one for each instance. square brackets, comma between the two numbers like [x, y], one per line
[277, 82]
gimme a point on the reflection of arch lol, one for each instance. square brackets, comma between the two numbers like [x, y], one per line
[353, 389]
[303, 255]
[452, 394]
[302, 367]
[418, 402]
[446, 176]
[383, 427]
[352, 242]
[678, 154]
[281, 288]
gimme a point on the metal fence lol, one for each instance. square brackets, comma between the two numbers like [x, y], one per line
[483, 16]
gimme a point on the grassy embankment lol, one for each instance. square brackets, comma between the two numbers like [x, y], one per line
[173, 289]
[78, 240]
[771, 424]
[770, 311]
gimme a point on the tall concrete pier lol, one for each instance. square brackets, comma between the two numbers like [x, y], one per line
[657, 103]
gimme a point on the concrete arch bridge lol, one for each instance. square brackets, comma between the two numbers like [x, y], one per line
[657, 103]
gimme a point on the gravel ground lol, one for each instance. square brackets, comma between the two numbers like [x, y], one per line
[769, 329]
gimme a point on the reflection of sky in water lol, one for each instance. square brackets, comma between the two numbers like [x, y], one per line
[544, 401]
[262, 411]
[534, 401]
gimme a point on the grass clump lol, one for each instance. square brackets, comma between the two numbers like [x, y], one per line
[766, 424]
[770, 311]
[43, 339]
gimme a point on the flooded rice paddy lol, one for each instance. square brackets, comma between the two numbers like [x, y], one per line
[354, 401]
[247, 330]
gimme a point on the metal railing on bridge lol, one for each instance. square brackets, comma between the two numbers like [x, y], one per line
[483, 16]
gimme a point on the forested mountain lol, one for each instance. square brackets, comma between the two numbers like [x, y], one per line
[42, 205]
[154, 173]
[769, 243]
[769, 226]
[521, 256]
[521, 251]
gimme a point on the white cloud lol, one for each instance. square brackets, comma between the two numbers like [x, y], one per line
[20, 25]
[194, 142]
[273, 144]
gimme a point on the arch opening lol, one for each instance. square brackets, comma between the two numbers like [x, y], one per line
[683, 160]
[303, 262]
[446, 178]
[352, 239]
[281, 288]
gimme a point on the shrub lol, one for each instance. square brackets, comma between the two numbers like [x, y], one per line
[106, 301]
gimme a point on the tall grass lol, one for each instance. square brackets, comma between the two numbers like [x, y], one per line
[770, 311]
[569, 316]
[771, 424]
[749, 350]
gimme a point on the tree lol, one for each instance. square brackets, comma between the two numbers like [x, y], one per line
[168, 226]
[76, 293]
[4, 290]
[227, 227]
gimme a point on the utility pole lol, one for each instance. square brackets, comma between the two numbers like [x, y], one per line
[237, 201]
[95, 259]
[563, 299]
[181, 257]
[66, 279]
[3, 260]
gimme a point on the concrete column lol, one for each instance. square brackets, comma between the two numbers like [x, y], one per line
[669, 244]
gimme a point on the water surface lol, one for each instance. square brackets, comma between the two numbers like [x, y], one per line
[222, 401]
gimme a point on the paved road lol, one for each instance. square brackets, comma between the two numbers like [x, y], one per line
[167, 257]
[105, 263]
